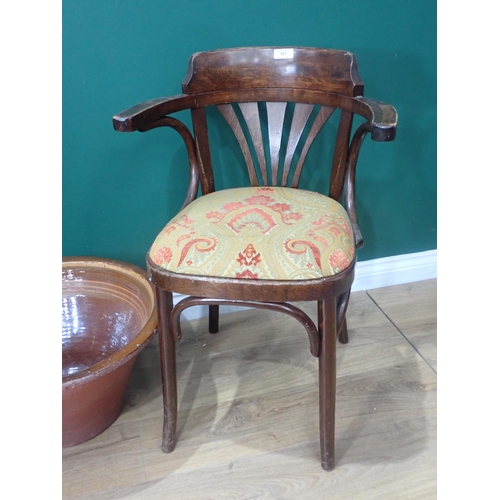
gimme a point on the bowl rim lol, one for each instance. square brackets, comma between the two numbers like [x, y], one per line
[140, 340]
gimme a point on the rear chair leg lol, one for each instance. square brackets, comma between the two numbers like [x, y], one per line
[164, 305]
[327, 323]
[343, 302]
[343, 334]
[213, 319]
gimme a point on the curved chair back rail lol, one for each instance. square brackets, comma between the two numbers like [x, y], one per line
[273, 67]
[276, 101]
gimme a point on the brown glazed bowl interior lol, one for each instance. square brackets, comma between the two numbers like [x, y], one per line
[108, 316]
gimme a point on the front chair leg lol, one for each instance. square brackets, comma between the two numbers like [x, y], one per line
[164, 305]
[327, 323]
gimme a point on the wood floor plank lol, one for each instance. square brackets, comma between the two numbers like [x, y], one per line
[248, 417]
[413, 309]
[111, 460]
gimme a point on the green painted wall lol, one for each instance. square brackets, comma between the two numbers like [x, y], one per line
[120, 189]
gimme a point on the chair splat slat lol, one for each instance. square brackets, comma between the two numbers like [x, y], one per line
[250, 111]
[321, 118]
[275, 117]
[301, 114]
[229, 114]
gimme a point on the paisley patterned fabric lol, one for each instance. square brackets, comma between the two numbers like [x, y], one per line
[257, 233]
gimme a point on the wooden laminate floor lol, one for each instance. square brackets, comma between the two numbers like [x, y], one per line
[248, 411]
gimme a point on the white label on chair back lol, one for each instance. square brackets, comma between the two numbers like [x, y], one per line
[283, 53]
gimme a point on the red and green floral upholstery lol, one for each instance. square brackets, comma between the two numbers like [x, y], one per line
[271, 233]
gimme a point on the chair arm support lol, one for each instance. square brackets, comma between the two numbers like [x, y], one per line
[194, 164]
[151, 114]
[349, 180]
[382, 118]
[139, 117]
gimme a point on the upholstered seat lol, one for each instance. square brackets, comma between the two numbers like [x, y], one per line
[270, 233]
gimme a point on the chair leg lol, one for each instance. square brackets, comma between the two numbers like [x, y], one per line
[327, 322]
[343, 334]
[164, 305]
[213, 319]
[342, 303]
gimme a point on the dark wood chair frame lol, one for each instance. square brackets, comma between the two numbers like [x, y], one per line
[308, 77]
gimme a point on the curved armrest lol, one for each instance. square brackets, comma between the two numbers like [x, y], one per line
[382, 117]
[140, 116]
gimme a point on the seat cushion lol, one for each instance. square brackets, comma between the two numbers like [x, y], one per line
[270, 233]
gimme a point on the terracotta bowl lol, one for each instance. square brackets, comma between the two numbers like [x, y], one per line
[108, 316]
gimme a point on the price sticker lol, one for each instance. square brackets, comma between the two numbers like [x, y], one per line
[283, 53]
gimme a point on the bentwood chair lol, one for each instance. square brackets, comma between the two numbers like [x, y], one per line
[272, 243]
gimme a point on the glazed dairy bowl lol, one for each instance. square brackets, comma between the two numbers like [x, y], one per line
[108, 316]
